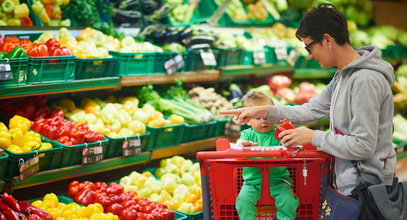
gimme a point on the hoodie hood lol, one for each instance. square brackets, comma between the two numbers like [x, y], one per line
[371, 59]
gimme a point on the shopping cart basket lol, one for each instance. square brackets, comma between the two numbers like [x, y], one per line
[221, 176]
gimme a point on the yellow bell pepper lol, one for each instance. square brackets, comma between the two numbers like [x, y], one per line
[17, 136]
[21, 11]
[103, 216]
[4, 142]
[20, 122]
[15, 149]
[3, 126]
[51, 200]
[5, 134]
[45, 146]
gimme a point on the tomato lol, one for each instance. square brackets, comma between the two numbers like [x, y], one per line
[284, 125]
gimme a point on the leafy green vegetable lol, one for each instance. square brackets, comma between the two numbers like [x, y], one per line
[191, 112]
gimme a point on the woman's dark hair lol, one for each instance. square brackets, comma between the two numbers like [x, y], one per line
[324, 19]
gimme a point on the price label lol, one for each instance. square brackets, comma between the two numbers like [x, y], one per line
[259, 57]
[21, 76]
[131, 147]
[281, 53]
[92, 154]
[174, 64]
[29, 167]
[208, 58]
[5, 72]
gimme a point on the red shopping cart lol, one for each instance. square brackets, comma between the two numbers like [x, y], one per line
[221, 175]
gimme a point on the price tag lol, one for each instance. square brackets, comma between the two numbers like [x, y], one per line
[259, 57]
[174, 64]
[92, 154]
[208, 58]
[131, 147]
[29, 167]
[281, 53]
[5, 72]
[21, 76]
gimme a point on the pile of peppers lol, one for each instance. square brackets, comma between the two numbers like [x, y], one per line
[128, 206]
[10, 209]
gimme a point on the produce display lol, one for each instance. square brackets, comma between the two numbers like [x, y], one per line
[178, 184]
[78, 117]
[12, 209]
[14, 13]
[58, 210]
[113, 199]
[18, 139]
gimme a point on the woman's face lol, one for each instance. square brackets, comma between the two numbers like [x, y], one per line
[319, 51]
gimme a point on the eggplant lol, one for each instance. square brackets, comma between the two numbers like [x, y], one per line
[149, 6]
[129, 5]
[124, 16]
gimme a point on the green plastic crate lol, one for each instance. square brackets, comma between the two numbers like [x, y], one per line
[180, 216]
[194, 62]
[167, 136]
[199, 131]
[31, 36]
[3, 165]
[160, 59]
[229, 57]
[195, 216]
[305, 63]
[131, 64]
[220, 127]
[51, 69]
[94, 68]
[72, 155]
[49, 159]
[115, 148]
[19, 70]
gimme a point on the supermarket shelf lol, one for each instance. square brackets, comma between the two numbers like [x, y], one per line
[313, 74]
[202, 76]
[80, 170]
[232, 71]
[60, 87]
[190, 147]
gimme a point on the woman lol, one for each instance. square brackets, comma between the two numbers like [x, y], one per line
[358, 101]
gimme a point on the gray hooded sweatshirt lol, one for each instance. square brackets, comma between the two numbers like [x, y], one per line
[362, 109]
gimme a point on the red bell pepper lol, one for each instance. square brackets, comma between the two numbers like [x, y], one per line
[8, 46]
[3, 207]
[26, 21]
[73, 189]
[128, 214]
[2, 216]
[26, 43]
[85, 197]
[11, 202]
[103, 199]
[13, 39]
[41, 213]
[285, 125]
[25, 206]
[34, 217]
[38, 50]
[114, 208]
[12, 215]
[52, 42]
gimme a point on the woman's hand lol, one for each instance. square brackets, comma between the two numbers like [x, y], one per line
[297, 136]
[243, 115]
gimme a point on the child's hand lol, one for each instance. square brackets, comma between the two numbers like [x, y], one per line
[247, 144]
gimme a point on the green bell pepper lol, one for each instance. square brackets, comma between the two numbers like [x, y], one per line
[17, 52]
[2, 55]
